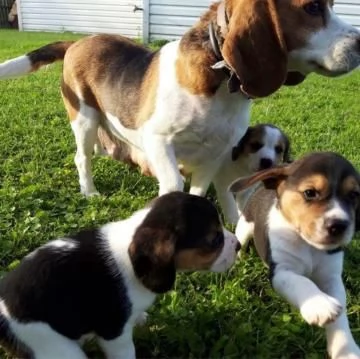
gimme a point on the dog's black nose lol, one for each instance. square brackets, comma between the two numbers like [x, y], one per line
[265, 163]
[336, 227]
[238, 246]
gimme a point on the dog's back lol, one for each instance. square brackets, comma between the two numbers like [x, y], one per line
[256, 211]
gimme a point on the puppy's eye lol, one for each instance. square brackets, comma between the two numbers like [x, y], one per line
[218, 240]
[310, 194]
[255, 146]
[354, 195]
[314, 8]
[278, 149]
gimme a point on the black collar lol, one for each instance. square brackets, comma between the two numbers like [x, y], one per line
[216, 41]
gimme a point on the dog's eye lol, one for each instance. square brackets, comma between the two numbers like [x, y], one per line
[314, 8]
[255, 146]
[218, 240]
[310, 194]
[278, 149]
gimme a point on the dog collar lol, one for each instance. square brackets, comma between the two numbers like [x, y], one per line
[222, 21]
[335, 250]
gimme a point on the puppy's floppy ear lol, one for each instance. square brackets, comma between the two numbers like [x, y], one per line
[254, 47]
[152, 255]
[294, 78]
[271, 178]
[286, 156]
[240, 146]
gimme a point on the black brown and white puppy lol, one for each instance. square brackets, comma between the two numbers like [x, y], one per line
[100, 281]
[263, 146]
[301, 219]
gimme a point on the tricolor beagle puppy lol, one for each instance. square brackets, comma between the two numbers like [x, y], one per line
[301, 219]
[261, 147]
[101, 281]
[188, 103]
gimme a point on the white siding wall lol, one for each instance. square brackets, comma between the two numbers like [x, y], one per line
[84, 16]
[169, 19]
[349, 10]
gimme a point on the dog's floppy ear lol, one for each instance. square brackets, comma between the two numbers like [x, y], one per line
[240, 146]
[271, 178]
[254, 47]
[286, 156]
[152, 255]
[294, 78]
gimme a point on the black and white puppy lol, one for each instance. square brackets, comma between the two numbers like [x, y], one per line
[300, 220]
[100, 281]
[263, 146]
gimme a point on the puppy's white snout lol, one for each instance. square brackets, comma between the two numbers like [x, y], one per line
[228, 254]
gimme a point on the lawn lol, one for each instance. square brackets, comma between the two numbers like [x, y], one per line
[232, 315]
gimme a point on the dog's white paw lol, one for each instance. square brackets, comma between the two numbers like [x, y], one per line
[321, 309]
[141, 319]
[350, 351]
[90, 193]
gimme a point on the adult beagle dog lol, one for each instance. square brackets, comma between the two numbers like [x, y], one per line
[300, 219]
[100, 281]
[188, 103]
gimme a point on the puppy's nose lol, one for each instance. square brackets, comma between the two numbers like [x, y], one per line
[238, 246]
[336, 227]
[265, 163]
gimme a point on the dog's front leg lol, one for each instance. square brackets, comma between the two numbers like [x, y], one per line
[316, 307]
[161, 155]
[121, 347]
[226, 199]
[202, 176]
[340, 342]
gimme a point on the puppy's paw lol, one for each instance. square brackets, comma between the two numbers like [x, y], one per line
[321, 309]
[141, 319]
[350, 351]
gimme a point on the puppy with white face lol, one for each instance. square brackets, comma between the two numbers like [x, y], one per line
[300, 220]
[101, 281]
[263, 146]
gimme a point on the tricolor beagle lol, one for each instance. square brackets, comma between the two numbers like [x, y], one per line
[100, 281]
[301, 219]
[188, 103]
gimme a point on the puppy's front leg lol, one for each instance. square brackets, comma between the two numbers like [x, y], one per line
[161, 155]
[315, 306]
[121, 347]
[340, 342]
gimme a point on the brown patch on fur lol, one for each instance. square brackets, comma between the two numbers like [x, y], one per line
[48, 54]
[148, 92]
[71, 101]
[349, 184]
[196, 259]
[317, 181]
[114, 75]
[193, 66]
[303, 215]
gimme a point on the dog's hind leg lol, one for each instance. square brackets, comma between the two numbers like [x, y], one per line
[84, 123]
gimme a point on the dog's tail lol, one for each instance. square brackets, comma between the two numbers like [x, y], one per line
[32, 61]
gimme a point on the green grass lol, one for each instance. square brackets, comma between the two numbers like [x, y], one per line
[232, 315]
